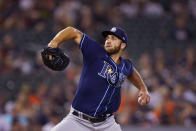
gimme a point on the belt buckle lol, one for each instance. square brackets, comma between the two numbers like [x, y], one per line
[108, 115]
[89, 119]
[80, 114]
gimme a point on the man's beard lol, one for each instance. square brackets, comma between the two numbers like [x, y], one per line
[114, 50]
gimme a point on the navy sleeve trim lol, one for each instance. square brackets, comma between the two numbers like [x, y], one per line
[130, 73]
[82, 40]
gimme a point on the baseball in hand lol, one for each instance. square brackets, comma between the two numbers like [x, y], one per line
[141, 101]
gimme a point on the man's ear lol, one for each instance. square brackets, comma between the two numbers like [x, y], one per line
[123, 45]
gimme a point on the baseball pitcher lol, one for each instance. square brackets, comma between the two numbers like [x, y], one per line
[103, 72]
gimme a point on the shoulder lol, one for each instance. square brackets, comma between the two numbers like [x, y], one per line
[87, 39]
[128, 62]
[128, 66]
[90, 47]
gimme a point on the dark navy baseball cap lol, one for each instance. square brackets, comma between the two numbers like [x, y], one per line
[118, 32]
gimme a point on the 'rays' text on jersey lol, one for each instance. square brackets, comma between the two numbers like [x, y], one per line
[114, 77]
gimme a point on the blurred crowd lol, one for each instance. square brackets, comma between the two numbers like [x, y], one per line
[36, 98]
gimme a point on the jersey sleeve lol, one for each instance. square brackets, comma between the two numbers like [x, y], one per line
[128, 67]
[90, 48]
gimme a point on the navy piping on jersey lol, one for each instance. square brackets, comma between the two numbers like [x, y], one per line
[81, 42]
[110, 98]
[132, 70]
[102, 100]
[107, 88]
[113, 62]
[114, 89]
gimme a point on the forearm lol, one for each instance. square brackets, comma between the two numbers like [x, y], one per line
[143, 96]
[68, 33]
[137, 81]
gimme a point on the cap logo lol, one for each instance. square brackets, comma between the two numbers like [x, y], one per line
[123, 38]
[113, 29]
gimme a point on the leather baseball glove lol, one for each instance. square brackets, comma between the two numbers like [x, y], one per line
[54, 58]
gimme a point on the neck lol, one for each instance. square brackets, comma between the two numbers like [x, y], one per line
[116, 58]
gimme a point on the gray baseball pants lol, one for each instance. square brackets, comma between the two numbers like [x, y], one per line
[75, 123]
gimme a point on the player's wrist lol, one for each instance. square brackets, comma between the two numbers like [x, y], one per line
[53, 44]
[144, 89]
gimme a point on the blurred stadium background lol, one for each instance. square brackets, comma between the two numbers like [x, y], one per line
[162, 46]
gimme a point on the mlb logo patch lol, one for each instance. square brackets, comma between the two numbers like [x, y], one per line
[113, 29]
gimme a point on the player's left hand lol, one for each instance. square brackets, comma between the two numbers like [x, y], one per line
[143, 97]
[54, 58]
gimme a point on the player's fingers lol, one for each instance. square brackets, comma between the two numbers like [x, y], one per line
[50, 57]
[140, 94]
[145, 101]
[140, 101]
[148, 99]
[144, 96]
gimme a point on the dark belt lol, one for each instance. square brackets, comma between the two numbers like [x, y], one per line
[90, 118]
